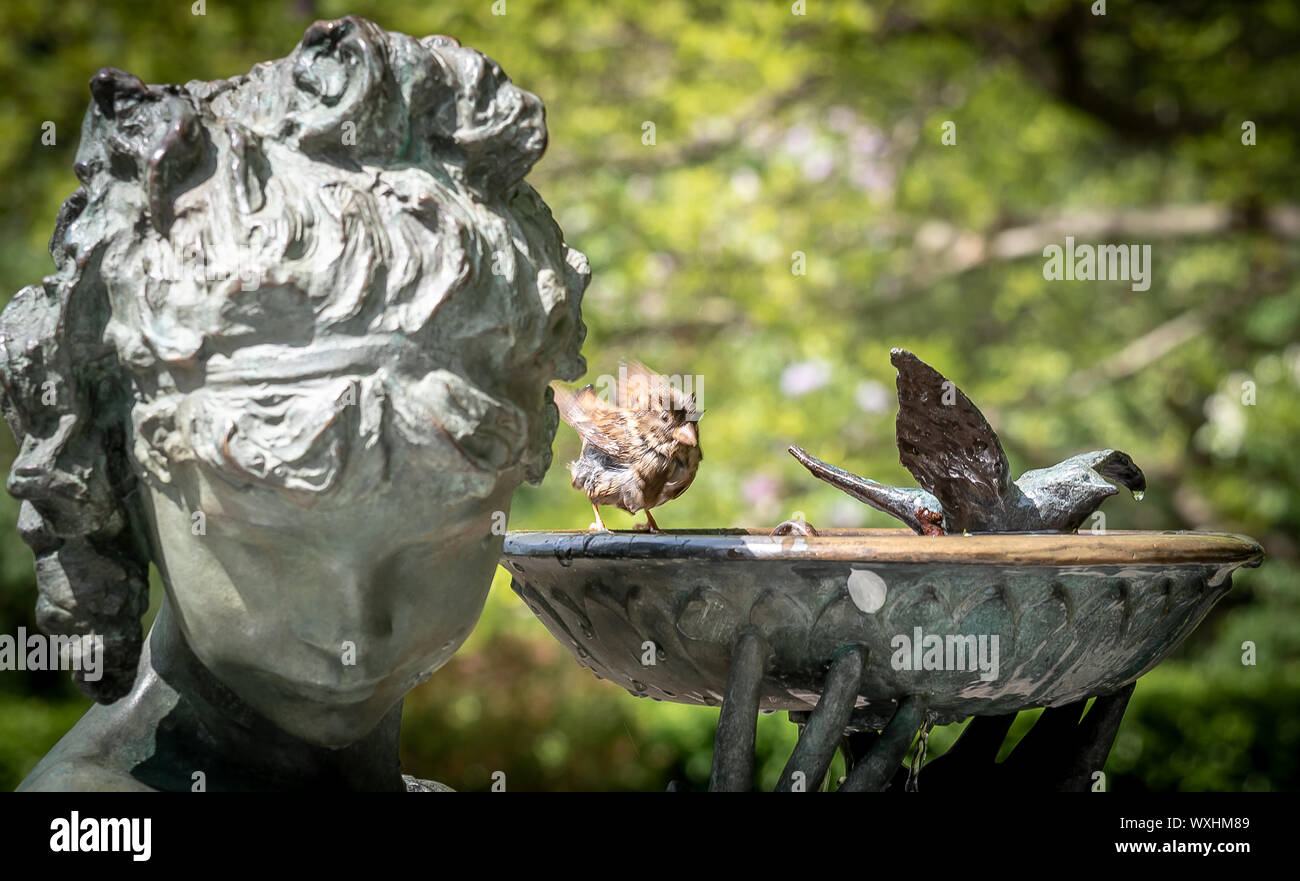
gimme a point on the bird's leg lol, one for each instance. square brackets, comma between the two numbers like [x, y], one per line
[599, 525]
[654, 527]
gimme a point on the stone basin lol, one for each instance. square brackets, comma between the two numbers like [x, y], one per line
[1074, 615]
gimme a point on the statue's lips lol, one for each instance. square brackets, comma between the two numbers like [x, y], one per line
[318, 692]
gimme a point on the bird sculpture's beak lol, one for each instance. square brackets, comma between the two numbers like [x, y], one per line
[685, 434]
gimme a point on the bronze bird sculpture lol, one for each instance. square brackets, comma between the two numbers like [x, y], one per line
[638, 451]
[947, 444]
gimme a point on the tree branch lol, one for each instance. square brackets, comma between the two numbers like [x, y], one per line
[693, 152]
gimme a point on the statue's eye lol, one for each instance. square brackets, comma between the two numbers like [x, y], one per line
[665, 416]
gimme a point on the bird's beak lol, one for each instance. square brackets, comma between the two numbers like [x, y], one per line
[685, 434]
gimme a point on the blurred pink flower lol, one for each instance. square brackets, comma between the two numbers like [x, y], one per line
[762, 493]
[803, 377]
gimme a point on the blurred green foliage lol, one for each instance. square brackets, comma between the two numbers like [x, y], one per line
[777, 133]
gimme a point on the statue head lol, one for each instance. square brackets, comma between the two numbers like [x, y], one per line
[295, 352]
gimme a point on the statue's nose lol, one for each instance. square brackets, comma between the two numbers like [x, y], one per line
[345, 603]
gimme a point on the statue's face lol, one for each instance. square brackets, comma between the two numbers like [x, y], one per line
[322, 617]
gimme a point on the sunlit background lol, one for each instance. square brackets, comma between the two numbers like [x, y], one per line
[784, 142]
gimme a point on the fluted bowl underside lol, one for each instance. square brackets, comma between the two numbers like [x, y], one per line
[977, 624]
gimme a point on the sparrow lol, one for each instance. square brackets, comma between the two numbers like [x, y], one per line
[637, 452]
[949, 447]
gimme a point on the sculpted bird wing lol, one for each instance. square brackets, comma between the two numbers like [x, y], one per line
[947, 444]
[598, 422]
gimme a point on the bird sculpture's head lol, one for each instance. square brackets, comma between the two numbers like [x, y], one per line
[295, 351]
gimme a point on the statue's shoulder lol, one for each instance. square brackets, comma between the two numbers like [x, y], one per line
[75, 773]
[85, 759]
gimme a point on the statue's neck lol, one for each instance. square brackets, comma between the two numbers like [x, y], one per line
[200, 725]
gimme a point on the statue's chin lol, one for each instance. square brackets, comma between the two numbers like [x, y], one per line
[335, 727]
[321, 715]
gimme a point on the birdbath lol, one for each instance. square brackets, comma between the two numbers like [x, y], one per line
[990, 604]
[1074, 616]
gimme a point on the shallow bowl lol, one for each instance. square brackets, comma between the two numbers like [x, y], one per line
[1021, 620]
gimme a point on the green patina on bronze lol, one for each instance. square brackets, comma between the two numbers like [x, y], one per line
[1067, 629]
[275, 359]
[751, 621]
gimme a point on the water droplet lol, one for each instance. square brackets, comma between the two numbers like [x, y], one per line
[867, 590]
[1138, 494]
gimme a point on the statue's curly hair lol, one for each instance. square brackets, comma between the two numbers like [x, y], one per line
[356, 209]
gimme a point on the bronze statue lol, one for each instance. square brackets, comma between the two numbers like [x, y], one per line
[296, 353]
